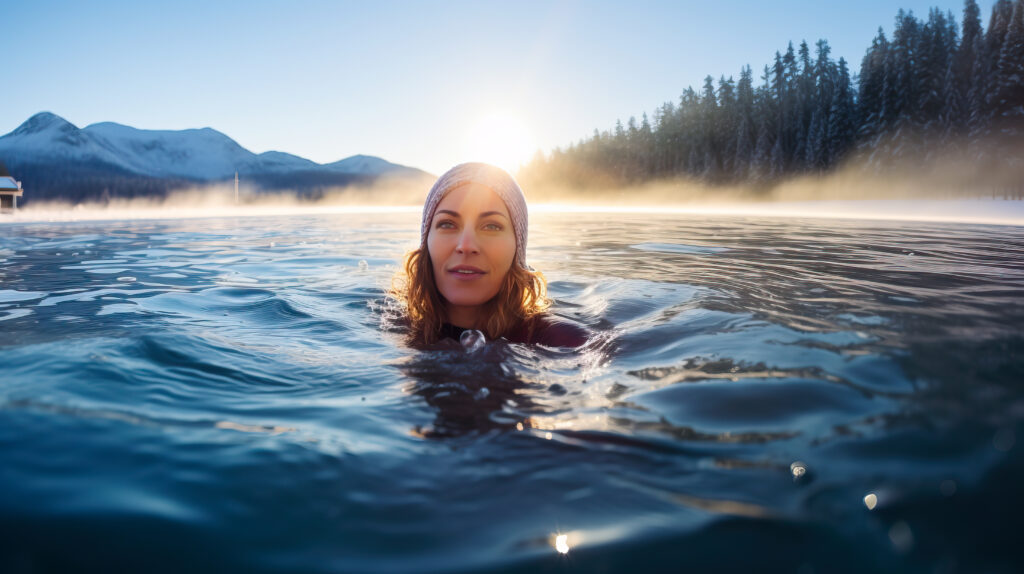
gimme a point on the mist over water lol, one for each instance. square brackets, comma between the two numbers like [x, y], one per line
[978, 211]
[950, 190]
[225, 393]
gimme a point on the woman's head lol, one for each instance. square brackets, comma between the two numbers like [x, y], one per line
[472, 246]
[481, 175]
[470, 268]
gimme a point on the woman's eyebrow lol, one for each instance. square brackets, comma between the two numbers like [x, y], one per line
[456, 214]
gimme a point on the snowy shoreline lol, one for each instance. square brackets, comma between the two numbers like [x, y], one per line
[972, 211]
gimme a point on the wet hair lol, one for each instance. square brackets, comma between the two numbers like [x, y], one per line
[523, 294]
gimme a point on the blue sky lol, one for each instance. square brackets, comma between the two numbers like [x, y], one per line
[410, 81]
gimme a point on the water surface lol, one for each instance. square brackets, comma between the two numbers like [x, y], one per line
[761, 394]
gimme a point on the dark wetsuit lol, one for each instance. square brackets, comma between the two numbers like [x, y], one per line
[547, 330]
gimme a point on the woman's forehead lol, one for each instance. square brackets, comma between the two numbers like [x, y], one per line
[472, 198]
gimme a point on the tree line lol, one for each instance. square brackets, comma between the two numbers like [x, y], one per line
[931, 89]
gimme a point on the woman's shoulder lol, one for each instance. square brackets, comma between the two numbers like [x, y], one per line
[551, 331]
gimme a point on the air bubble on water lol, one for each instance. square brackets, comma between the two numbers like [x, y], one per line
[363, 265]
[799, 471]
[472, 339]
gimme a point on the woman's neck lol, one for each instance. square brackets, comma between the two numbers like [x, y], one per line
[464, 317]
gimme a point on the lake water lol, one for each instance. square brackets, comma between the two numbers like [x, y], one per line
[761, 394]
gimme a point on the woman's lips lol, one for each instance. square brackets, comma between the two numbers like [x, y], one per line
[465, 272]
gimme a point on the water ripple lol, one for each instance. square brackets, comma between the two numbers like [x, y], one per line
[235, 381]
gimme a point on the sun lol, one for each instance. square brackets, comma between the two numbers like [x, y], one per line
[501, 139]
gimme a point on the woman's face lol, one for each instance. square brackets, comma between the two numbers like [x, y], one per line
[472, 245]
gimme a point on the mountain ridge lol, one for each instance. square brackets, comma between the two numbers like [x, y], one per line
[59, 160]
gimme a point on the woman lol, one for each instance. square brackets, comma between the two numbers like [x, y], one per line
[470, 269]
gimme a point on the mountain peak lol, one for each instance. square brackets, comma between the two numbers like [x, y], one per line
[199, 154]
[44, 121]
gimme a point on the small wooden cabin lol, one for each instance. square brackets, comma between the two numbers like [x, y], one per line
[10, 191]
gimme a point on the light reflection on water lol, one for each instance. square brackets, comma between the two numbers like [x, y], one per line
[823, 383]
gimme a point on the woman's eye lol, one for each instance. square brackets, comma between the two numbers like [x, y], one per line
[493, 227]
[445, 225]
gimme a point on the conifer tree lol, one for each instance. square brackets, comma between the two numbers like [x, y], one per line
[929, 85]
[871, 113]
[999, 24]
[842, 116]
[1007, 106]
[745, 126]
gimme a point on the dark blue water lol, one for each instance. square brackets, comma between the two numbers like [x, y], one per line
[761, 395]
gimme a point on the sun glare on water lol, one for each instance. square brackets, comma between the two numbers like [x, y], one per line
[502, 139]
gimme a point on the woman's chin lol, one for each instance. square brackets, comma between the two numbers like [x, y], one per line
[466, 300]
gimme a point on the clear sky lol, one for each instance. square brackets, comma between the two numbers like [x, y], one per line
[422, 83]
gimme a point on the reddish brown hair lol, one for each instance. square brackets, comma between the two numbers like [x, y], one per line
[522, 295]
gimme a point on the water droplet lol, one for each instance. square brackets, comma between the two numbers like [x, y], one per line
[871, 501]
[547, 435]
[472, 339]
[799, 470]
[363, 265]
[482, 393]
[519, 426]
[562, 543]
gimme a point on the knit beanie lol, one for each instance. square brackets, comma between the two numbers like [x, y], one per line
[494, 178]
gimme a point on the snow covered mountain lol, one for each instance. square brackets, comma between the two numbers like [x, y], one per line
[47, 143]
[367, 164]
[49, 138]
[195, 154]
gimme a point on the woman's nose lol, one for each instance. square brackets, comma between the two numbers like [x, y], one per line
[467, 242]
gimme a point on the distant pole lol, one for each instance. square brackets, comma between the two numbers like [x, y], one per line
[236, 188]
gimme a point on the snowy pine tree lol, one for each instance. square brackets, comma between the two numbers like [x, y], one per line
[1007, 104]
[918, 92]
[842, 116]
